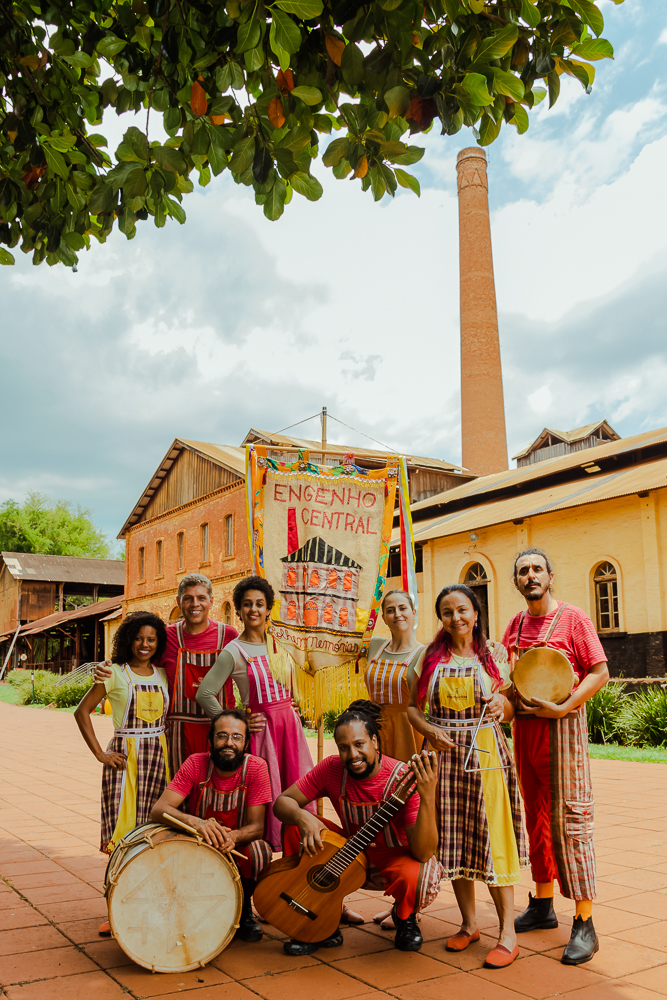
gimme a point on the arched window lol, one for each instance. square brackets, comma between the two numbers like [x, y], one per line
[175, 615]
[328, 614]
[342, 617]
[291, 611]
[314, 580]
[606, 597]
[226, 613]
[310, 614]
[291, 577]
[478, 581]
[333, 578]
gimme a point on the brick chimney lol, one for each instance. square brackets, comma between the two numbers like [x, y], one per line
[482, 406]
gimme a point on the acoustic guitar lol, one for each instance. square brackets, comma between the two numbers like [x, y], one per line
[303, 896]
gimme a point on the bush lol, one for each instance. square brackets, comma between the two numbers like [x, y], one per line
[604, 710]
[643, 718]
[47, 690]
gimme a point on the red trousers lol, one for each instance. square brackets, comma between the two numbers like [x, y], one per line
[401, 874]
[554, 771]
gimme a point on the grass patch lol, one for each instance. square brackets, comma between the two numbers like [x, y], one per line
[9, 695]
[612, 751]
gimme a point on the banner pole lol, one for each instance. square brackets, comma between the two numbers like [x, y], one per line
[320, 721]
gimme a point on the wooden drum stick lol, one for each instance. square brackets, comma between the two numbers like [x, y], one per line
[191, 829]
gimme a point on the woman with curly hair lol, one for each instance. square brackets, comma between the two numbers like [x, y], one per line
[276, 733]
[481, 829]
[135, 769]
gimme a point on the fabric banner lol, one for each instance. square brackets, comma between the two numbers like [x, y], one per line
[320, 536]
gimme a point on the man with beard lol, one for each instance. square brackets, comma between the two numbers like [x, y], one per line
[227, 791]
[551, 749]
[402, 856]
[193, 646]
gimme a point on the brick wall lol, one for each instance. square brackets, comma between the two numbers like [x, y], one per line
[157, 591]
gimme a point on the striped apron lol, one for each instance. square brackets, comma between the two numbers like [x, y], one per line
[387, 684]
[128, 796]
[555, 774]
[481, 830]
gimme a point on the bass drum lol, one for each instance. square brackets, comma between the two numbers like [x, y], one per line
[174, 902]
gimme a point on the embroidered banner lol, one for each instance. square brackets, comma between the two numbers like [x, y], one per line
[320, 536]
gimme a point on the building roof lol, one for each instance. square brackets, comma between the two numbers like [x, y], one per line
[255, 436]
[226, 455]
[569, 437]
[600, 486]
[526, 480]
[109, 604]
[64, 569]
[317, 550]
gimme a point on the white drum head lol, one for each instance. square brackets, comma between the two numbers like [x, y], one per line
[175, 906]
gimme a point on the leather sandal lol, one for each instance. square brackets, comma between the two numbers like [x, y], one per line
[351, 917]
[460, 941]
[384, 919]
[501, 957]
[105, 929]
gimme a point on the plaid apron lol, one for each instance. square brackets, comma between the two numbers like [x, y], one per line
[229, 808]
[481, 830]
[188, 723]
[128, 796]
[387, 684]
[555, 774]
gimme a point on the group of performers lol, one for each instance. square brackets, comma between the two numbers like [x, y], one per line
[244, 779]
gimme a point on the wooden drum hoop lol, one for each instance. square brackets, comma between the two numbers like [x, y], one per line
[174, 902]
[544, 673]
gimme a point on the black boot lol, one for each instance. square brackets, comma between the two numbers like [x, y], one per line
[583, 942]
[408, 936]
[248, 929]
[539, 915]
[300, 948]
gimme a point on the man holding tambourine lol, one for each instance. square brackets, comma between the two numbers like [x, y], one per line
[558, 664]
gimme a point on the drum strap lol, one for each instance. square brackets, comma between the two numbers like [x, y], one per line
[551, 627]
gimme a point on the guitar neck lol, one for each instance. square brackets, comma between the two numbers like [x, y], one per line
[365, 834]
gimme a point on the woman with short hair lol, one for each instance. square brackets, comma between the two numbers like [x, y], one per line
[276, 731]
[481, 830]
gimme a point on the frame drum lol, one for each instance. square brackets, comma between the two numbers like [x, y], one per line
[543, 673]
[174, 902]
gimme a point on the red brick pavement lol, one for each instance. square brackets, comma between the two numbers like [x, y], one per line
[51, 903]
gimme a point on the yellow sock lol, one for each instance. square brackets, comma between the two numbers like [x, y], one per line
[544, 890]
[584, 909]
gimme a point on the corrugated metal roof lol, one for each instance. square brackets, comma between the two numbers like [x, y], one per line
[64, 569]
[109, 604]
[224, 454]
[257, 436]
[519, 477]
[603, 486]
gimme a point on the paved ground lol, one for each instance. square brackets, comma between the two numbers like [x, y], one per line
[51, 903]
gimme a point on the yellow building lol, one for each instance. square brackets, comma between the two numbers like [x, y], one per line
[601, 516]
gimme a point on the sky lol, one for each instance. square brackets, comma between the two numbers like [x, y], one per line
[231, 321]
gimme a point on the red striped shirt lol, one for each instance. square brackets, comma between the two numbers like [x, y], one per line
[574, 635]
[194, 770]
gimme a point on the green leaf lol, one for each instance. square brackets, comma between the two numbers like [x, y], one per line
[254, 58]
[413, 155]
[102, 199]
[274, 206]
[284, 32]
[175, 210]
[217, 159]
[378, 186]
[539, 93]
[305, 10]
[488, 130]
[497, 45]
[309, 95]
[55, 161]
[406, 180]
[553, 83]
[351, 64]
[244, 153]
[589, 14]
[520, 119]
[306, 185]
[530, 14]
[110, 46]
[135, 184]
[248, 36]
[335, 152]
[594, 48]
[282, 55]
[6, 257]
[296, 139]
[474, 84]
[507, 84]
[397, 100]
[81, 60]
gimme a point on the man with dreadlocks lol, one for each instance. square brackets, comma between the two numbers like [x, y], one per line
[357, 782]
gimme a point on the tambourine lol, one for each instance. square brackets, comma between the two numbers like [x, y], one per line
[543, 673]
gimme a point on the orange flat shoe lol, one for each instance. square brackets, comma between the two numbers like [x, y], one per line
[500, 957]
[105, 929]
[461, 941]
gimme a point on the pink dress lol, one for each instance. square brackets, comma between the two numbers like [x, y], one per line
[282, 743]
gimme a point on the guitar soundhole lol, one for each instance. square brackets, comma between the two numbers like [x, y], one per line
[322, 880]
